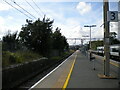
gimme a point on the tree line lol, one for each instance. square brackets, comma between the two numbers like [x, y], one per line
[37, 36]
[112, 38]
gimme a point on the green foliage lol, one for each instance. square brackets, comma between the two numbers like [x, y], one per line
[113, 39]
[95, 44]
[13, 58]
[9, 58]
[38, 36]
[59, 41]
[55, 58]
[65, 53]
[10, 42]
[113, 34]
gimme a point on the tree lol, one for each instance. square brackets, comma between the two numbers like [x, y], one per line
[113, 39]
[59, 41]
[95, 44]
[10, 42]
[113, 34]
[36, 35]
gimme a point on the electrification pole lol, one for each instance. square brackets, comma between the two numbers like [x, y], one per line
[106, 40]
[109, 16]
[119, 39]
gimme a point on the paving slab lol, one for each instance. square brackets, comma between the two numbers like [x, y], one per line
[84, 76]
[57, 78]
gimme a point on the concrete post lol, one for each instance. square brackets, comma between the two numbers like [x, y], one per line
[106, 39]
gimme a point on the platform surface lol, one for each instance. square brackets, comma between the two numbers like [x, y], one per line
[82, 74]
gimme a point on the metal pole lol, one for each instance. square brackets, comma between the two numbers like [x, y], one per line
[119, 39]
[93, 64]
[106, 39]
[90, 44]
[81, 41]
[90, 37]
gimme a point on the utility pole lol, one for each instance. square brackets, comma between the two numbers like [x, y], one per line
[109, 16]
[119, 39]
[106, 40]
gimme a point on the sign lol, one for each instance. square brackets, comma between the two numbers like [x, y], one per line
[112, 16]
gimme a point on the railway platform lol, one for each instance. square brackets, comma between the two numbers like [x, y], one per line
[78, 72]
[84, 75]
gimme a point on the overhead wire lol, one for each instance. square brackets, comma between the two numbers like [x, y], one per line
[38, 7]
[23, 9]
[26, 10]
[17, 9]
[41, 10]
[33, 8]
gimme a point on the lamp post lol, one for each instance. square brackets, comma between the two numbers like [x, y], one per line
[90, 26]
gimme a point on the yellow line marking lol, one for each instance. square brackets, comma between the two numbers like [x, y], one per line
[113, 63]
[68, 77]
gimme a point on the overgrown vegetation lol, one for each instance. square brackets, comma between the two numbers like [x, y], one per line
[36, 39]
[10, 58]
[95, 44]
[113, 40]
[38, 36]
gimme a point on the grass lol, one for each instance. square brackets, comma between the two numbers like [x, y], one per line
[9, 58]
[56, 58]
[64, 54]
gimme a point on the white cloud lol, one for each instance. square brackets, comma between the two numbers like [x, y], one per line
[4, 6]
[70, 26]
[2, 22]
[4, 27]
[10, 18]
[83, 7]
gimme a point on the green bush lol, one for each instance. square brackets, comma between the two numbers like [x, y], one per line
[9, 58]
[12, 59]
[55, 58]
[5, 58]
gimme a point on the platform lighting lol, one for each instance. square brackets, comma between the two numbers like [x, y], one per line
[90, 31]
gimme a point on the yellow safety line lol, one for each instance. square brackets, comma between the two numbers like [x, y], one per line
[113, 63]
[68, 77]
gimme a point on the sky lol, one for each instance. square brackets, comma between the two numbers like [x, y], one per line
[69, 16]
